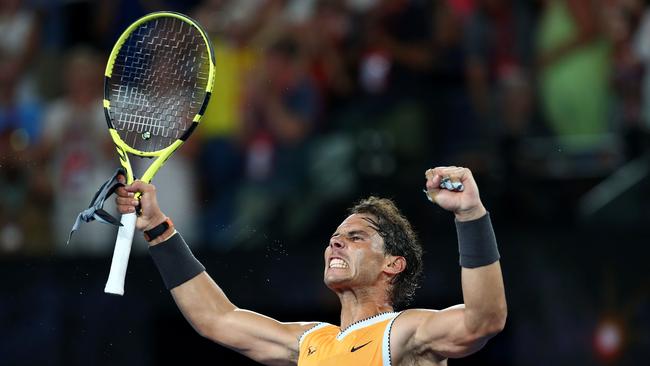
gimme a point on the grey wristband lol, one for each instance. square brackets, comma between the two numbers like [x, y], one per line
[477, 244]
[175, 261]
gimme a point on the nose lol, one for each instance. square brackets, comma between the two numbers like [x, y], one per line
[336, 243]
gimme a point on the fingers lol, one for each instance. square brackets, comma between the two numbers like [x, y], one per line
[136, 186]
[453, 178]
[432, 184]
[126, 204]
[140, 186]
[124, 209]
[453, 173]
[126, 199]
[450, 178]
[433, 179]
[122, 192]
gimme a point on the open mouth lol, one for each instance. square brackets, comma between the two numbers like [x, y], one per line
[337, 263]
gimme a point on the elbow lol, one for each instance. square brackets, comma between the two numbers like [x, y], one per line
[495, 323]
[220, 330]
[490, 324]
[206, 329]
[210, 327]
[499, 322]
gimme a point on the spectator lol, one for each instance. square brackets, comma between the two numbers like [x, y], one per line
[497, 46]
[326, 37]
[20, 114]
[231, 25]
[282, 108]
[19, 44]
[574, 74]
[23, 219]
[77, 152]
[627, 74]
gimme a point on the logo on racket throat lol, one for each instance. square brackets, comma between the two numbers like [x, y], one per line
[146, 135]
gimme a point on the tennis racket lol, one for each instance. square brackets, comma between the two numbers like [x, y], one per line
[157, 84]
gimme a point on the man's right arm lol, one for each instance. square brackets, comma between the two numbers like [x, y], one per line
[208, 310]
[204, 304]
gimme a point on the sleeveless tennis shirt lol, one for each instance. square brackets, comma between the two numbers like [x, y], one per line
[366, 342]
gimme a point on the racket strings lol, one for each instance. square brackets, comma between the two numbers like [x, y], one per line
[158, 83]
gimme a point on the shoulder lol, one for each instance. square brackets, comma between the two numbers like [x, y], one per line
[408, 321]
[315, 327]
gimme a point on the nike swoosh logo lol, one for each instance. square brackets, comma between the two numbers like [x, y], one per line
[354, 349]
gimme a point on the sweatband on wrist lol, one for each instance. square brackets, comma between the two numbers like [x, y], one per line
[175, 261]
[477, 244]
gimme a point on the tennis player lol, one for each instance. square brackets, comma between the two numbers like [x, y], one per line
[372, 262]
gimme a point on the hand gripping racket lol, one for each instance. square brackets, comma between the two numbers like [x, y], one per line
[157, 84]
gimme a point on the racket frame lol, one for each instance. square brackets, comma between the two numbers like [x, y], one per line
[115, 283]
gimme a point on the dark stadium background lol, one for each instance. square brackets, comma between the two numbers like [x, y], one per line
[544, 100]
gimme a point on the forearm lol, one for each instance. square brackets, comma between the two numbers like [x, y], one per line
[198, 297]
[482, 282]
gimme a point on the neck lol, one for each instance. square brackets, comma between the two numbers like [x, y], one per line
[359, 305]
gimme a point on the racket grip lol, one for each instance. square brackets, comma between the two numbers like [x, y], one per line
[117, 274]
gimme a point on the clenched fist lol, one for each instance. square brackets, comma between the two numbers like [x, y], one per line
[465, 204]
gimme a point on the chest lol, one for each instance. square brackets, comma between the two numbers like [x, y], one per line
[362, 347]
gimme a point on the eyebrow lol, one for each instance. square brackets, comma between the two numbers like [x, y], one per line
[353, 233]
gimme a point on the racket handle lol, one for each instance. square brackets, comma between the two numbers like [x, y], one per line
[115, 282]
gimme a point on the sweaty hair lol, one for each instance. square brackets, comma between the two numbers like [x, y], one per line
[399, 240]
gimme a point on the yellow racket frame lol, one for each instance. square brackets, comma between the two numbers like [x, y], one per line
[161, 155]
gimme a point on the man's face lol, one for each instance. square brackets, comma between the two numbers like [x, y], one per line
[355, 254]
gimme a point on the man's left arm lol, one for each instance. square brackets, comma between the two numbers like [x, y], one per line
[462, 329]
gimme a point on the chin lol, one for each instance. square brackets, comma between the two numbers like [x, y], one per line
[334, 282]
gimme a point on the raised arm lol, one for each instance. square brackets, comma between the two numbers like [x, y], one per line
[202, 302]
[462, 329]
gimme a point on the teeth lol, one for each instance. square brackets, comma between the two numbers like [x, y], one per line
[338, 263]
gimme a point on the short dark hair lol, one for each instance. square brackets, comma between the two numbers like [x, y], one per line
[400, 240]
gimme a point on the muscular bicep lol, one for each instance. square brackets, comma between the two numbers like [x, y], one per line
[259, 337]
[437, 334]
[254, 335]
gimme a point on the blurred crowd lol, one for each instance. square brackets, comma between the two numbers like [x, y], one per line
[320, 101]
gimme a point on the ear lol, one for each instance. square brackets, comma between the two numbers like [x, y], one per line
[394, 265]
